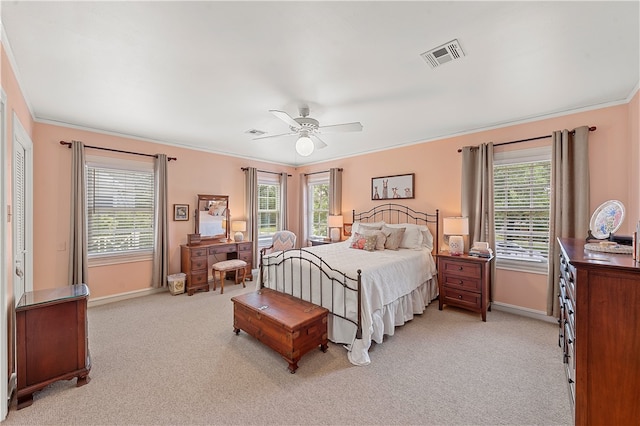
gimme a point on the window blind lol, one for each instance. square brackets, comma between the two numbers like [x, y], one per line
[119, 210]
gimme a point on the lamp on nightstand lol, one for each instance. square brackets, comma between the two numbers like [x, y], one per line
[335, 225]
[455, 228]
[238, 226]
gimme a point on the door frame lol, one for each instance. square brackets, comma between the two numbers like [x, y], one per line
[4, 220]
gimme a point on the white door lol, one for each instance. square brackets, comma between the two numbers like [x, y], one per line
[22, 216]
[4, 230]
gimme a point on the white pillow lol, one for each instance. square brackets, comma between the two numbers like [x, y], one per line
[412, 238]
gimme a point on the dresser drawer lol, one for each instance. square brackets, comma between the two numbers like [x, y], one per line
[226, 248]
[460, 269]
[462, 298]
[199, 263]
[247, 256]
[199, 278]
[462, 283]
[245, 247]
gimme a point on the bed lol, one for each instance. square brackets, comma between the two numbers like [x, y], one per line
[368, 291]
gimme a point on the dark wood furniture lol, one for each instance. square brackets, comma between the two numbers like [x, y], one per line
[195, 261]
[320, 242]
[51, 339]
[465, 281]
[290, 326]
[600, 333]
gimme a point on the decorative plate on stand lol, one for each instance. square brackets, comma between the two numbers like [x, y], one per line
[606, 219]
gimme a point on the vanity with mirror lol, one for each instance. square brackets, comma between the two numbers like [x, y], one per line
[212, 223]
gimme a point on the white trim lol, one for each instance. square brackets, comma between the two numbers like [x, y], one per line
[5, 391]
[124, 296]
[119, 258]
[525, 312]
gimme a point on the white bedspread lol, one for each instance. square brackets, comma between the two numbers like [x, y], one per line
[211, 225]
[395, 286]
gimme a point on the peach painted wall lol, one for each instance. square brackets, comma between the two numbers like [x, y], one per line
[194, 172]
[437, 168]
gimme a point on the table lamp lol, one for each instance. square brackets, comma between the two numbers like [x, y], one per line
[455, 228]
[335, 224]
[238, 226]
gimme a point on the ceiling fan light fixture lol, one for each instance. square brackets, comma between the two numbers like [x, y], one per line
[304, 145]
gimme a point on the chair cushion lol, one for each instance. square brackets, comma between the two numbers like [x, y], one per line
[229, 265]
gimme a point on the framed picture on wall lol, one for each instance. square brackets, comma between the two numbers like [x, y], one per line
[393, 187]
[346, 229]
[181, 212]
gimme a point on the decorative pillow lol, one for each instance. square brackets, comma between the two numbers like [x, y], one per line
[363, 242]
[369, 225]
[394, 237]
[380, 238]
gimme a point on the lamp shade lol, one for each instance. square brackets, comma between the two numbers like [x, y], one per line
[335, 221]
[239, 225]
[455, 225]
[304, 146]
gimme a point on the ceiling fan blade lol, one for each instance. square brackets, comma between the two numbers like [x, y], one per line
[346, 127]
[275, 136]
[285, 117]
[319, 143]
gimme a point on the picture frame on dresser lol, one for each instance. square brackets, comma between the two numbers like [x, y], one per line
[393, 187]
[180, 212]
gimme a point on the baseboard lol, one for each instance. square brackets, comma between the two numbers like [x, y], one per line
[124, 296]
[525, 312]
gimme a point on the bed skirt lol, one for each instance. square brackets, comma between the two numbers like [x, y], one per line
[394, 314]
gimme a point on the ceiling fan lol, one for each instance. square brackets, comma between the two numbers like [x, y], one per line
[308, 129]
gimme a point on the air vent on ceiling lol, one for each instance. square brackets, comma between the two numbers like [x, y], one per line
[255, 132]
[450, 51]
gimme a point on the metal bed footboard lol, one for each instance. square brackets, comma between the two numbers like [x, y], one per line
[313, 273]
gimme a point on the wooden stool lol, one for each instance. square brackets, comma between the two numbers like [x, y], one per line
[226, 266]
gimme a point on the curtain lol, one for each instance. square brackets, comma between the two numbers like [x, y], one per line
[161, 225]
[284, 216]
[569, 215]
[78, 270]
[304, 210]
[335, 191]
[251, 205]
[477, 196]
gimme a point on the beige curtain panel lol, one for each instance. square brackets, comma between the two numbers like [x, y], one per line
[161, 225]
[78, 270]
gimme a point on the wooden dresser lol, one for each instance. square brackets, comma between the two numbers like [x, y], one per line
[195, 264]
[51, 339]
[600, 333]
[465, 281]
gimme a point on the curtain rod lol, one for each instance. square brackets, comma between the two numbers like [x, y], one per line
[117, 150]
[322, 171]
[244, 169]
[591, 129]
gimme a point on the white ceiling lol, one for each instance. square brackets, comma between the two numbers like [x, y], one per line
[200, 74]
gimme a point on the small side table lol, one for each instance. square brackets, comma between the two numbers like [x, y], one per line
[465, 281]
[320, 242]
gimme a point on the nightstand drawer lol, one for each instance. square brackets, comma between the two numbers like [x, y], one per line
[462, 298]
[462, 283]
[460, 268]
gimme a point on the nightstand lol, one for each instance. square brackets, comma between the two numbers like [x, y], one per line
[320, 242]
[465, 281]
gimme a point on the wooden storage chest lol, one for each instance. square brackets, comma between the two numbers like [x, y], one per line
[290, 326]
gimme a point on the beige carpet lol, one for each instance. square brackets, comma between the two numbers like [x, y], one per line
[166, 359]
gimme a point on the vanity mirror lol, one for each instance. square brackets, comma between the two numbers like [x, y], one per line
[212, 217]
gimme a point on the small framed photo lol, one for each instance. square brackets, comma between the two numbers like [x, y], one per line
[346, 229]
[181, 212]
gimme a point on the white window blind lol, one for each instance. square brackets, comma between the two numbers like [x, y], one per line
[522, 191]
[120, 208]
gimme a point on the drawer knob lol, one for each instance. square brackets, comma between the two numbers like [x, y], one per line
[459, 268]
[460, 282]
[459, 296]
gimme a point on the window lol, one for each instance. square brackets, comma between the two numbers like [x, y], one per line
[120, 209]
[522, 200]
[268, 209]
[318, 207]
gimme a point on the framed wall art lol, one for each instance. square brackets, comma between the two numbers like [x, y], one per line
[181, 212]
[346, 229]
[393, 187]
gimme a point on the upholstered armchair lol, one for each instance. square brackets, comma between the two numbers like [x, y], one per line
[282, 240]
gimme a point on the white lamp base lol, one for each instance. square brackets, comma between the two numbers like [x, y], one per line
[335, 235]
[456, 245]
[238, 236]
